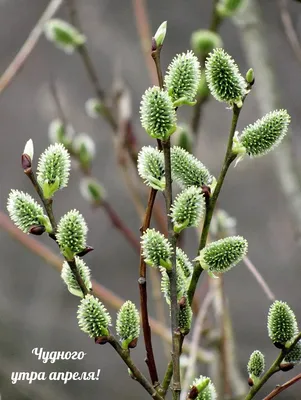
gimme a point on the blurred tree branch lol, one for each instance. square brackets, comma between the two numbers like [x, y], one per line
[29, 45]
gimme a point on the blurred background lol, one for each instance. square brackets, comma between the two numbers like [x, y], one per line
[36, 310]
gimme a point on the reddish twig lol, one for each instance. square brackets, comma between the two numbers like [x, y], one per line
[118, 224]
[289, 29]
[28, 45]
[90, 69]
[144, 32]
[262, 283]
[283, 387]
[150, 359]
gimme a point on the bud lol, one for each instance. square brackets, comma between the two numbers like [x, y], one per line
[282, 324]
[28, 151]
[294, 355]
[157, 113]
[188, 170]
[58, 133]
[151, 167]
[224, 80]
[227, 8]
[204, 388]
[37, 230]
[53, 169]
[182, 79]
[250, 77]
[256, 365]
[264, 135]
[183, 138]
[93, 317]
[84, 147]
[70, 280]
[128, 325]
[188, 209]
[25, 212]
[92, 190]
[160, 34]
[184, 263]
[204, 41]
[65, 36]
[182, 284]
[185, 317]
[93, 108]
[222, 255]
[156, 249]
[71, 234]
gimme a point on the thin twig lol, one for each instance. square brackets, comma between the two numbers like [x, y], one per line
[259, 278]
[115, 219]
[118, 224]
[196, 333]
[275, 367]
[28, 46]
[47, 203]
[89, 67]
[229, 158]
[172, 237]
[144, 32]
[283, 387]
[150, 360]
[125, 355]
[289, 29]
[104, 294]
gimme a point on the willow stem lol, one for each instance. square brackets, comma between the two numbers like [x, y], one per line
[125, 355]
[172, 237]
[229, 158]
[275, 367]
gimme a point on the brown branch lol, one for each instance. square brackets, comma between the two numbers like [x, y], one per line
[118, 224]
[150, 360]
[144, 32]
[28, 46]
[259, 278]
[90, 69]
[283, 387]
[289, 29]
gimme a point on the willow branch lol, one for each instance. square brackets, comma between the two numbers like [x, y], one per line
[144, 32]
[90, 69]
[196, 333]
[150, 359]
[289, 29]
[28, 46]
[172, 237]
[229, 158]
[259, 278]
[47, 203]
[283, 387]
[125, 355]
[275, 367]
